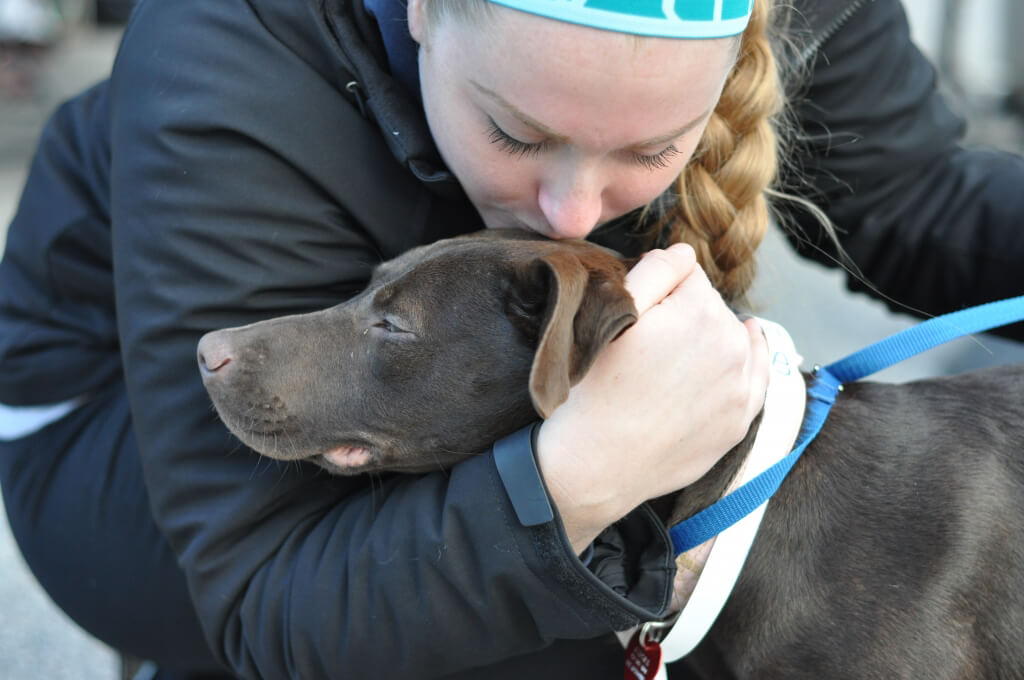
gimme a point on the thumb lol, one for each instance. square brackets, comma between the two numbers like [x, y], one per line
[658, 274]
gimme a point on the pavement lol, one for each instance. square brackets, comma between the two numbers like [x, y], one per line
[38, 641]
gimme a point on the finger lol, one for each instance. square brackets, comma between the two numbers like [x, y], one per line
[696, 299]
[658, 274]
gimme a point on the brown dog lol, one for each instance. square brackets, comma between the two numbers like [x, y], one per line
[892, 550]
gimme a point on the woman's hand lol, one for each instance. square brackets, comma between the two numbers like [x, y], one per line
[661, 404]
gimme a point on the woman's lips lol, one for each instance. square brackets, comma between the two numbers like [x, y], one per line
[514, 223]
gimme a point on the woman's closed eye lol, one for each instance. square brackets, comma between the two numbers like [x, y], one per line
[656, 161]
[520, 149]
[513, 146]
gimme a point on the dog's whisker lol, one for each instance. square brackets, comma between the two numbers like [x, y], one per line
[375, 483]
[463, 454]
[255, 468]
[291, 441]
[437, 461]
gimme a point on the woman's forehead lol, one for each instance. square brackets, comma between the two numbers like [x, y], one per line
[558, 72]
[576, 51]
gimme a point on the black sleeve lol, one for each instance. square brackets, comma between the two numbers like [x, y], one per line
[235, 180]
[930, 223]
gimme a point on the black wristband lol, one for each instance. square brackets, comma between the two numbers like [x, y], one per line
[517, 467]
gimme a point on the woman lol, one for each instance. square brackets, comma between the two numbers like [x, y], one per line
[251, 159]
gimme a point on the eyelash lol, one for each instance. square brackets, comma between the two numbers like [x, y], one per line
[514, 147]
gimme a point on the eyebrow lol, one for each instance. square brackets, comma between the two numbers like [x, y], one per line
[548, 132]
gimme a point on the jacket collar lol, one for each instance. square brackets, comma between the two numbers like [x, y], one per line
[355, 38]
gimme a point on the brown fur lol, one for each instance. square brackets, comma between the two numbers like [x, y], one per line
[892, 550]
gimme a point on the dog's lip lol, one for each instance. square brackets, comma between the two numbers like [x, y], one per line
[347, 457]
[358, 458]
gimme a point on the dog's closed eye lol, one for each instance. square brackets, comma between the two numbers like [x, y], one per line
[390, 326]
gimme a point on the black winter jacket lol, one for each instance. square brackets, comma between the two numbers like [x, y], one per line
[250, 158]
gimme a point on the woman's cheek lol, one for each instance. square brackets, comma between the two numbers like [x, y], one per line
[635, 191]
[502, 177]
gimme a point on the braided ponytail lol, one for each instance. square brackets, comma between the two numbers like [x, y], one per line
[722, 209]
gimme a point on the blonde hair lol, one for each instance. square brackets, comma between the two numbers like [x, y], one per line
[722, 207]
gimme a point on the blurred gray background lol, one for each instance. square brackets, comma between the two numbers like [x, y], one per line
[72, 47]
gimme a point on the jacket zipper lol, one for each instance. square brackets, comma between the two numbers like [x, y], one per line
[831, 30]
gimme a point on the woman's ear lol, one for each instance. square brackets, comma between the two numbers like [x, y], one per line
[417, 20]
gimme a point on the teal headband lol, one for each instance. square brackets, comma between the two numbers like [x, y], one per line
[656, 18]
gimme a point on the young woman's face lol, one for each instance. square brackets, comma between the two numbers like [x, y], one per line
[558, 128]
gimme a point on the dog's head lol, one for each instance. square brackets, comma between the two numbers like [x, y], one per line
[450, 347]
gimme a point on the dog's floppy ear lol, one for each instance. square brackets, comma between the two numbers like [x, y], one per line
[581, 305]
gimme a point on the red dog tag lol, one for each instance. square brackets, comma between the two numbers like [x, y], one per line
[643, 659]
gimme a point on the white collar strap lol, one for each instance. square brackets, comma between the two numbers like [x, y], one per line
[780, 424]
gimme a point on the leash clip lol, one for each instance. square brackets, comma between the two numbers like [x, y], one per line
[656, 631]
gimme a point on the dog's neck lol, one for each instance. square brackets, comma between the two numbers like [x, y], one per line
[773, 432]
[675, 507]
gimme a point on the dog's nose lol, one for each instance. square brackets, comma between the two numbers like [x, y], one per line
[213, 352]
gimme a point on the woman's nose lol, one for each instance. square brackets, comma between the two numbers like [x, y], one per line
[572, 205]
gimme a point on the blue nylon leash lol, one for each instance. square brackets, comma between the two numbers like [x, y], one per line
[821, 394]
